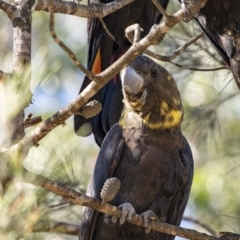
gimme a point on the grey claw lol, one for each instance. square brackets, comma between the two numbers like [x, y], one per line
[127, 212]
[146, 216]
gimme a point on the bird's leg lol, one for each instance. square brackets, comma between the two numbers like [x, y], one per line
[146, 216]
[90, 109]
[127, 212]
[136, 36]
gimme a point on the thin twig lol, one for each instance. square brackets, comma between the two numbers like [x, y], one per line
[203, 225]
[164, 59]
[106, 29]
[198, 69]
[178, 51]
[71, 55]
[160, 8]
[185, 46]
[133, 33]
[29, 121]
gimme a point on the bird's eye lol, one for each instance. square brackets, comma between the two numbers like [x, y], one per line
[153, 73]
[138, 72]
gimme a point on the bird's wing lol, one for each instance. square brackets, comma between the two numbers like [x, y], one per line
[106, 163]
[180, 200]
[187, 161]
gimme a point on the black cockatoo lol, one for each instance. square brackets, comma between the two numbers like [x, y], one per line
[103, 51]
[147, 152]
[220, 20]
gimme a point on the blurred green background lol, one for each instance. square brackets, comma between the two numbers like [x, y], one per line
[211, 125]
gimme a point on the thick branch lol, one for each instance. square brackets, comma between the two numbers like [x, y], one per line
[83, 200]
[21, 69]
[98, 10]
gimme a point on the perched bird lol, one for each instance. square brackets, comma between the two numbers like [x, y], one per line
[220, 20]
[147, 152]
[104, 50]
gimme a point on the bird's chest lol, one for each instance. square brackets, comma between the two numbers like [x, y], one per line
[148, 152]
[147, 167]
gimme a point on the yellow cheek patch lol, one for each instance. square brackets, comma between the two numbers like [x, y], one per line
[164, 108]
[173, 118]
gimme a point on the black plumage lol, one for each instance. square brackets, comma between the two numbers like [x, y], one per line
[103, 51]
[220, 20]
[147, 152]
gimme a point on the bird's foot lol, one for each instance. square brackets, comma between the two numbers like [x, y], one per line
[191, 8]
[110, 189]
[90, 109]
[133, 33]
[127, 212]
[146, 216]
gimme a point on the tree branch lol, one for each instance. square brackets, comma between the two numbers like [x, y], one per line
[178, 51]
[7, 8]
[71, 55]
[201, 224]
[97, 10]
[160, 8]
[83, 200]
[155, 36]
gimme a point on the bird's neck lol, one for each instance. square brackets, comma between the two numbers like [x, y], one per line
[162, 116]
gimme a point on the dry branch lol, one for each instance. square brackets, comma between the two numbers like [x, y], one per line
[7, 8]
[83, 200]
[97, 10]
[155, 36]
[71, 55]
[201, 224]
[177, 53]
[160, 8]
